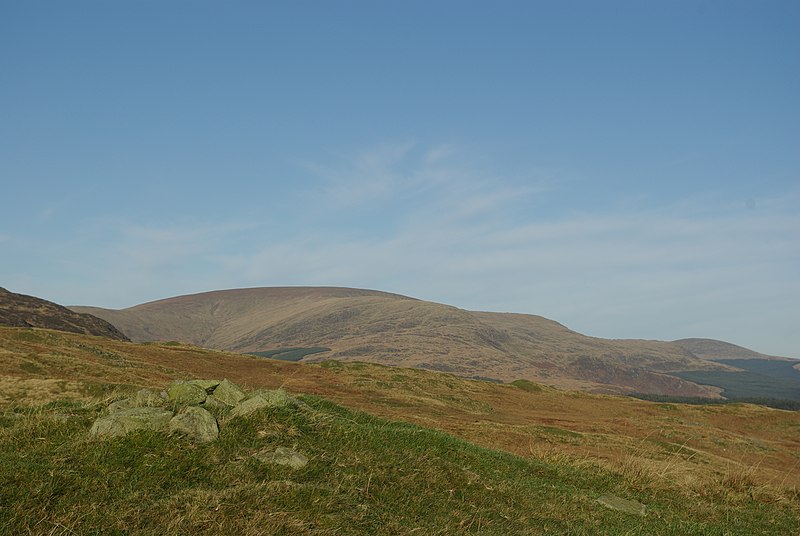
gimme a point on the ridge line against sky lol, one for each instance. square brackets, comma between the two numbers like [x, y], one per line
[629, 169]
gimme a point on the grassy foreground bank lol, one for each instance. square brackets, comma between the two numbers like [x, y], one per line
[366, 475]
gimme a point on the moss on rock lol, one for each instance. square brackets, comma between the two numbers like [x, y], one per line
[195, 423]
[183, 393]
[125, 421]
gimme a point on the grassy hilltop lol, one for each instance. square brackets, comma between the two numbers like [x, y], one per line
[392, 451]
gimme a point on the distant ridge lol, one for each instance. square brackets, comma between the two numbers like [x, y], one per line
[714, 350]
[369, 325]
[20, 310]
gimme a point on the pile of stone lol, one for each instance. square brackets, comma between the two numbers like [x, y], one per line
[183, 409]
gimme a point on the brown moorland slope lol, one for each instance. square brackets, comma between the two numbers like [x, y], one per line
[390, 329]
[675, 444]
[20, 310]
[712, 349]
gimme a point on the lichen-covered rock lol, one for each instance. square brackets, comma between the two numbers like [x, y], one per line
[147, 398]
[283, 456]
[264, 399]
[246, 407]
[229, 393]
[183, 393]
[119, 405]
[623, 505]
[196, 423]
[207, 385]
[277, 398]
[213, 403]
[125, 421]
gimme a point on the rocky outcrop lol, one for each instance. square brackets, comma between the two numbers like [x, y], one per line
[264, 399]
[188, 409]
[183, 393]
[195, 423]
[229, 393]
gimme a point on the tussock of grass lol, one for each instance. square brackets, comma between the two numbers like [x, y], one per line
[366, 475]
[527, 385]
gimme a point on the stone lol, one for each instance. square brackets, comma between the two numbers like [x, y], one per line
[125, 421]
[119, 405]
[207, 385]
[185, 393]
[147, 398]
[213, 402]
[246, 407]
[263, 399]
[229, 393]
[623, 505]
[283, 456]
[277, 398]
[195, 423]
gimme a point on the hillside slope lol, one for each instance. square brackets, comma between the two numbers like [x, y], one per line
[713, 350]
[358, 475]
[396, 330]
[20, 310]
[672, 442]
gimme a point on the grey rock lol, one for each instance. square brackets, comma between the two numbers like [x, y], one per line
[277, 398]
[246, 407]
[119, 405]
[127, 420]
[213, 402]
[623, 505]
[185, 393]
[264, 399]
[207, 385]
[283, 456]
[196, 423]
[229, 393]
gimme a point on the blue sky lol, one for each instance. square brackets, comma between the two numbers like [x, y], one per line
[630, 169]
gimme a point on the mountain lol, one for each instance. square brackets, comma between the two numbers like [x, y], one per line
[390, 329]
[19, 310]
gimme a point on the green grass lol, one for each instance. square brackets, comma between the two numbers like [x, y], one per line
[290, 354]
[365, 476]
[31, 368]
[527, 385]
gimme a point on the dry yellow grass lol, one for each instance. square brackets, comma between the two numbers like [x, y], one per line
[38, 390]
[734, 447]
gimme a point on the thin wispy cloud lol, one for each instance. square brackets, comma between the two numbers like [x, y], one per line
[439, 182]
[611, 272]
[622, 198]
[447, 230]
[370, 177]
